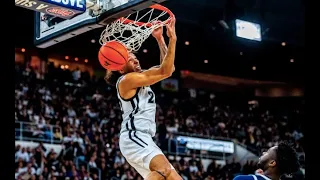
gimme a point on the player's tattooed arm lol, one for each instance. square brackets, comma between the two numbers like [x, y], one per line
[158, 35]
[163, 48]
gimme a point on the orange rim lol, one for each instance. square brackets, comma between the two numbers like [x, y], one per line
[155, 6]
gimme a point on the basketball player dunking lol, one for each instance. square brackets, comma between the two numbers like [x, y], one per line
[137, 102]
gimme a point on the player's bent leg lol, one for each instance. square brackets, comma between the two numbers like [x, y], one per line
[161, 165]
[155, 176]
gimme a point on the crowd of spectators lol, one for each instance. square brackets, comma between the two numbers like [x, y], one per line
[82, 113]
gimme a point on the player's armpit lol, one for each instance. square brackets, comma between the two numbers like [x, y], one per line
[146, 78]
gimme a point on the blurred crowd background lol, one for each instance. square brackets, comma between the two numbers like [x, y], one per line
[238, 81]
[81, 112]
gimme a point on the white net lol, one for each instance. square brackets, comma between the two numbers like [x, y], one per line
[133, 33]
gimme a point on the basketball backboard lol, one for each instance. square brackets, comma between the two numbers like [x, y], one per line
[50, 30]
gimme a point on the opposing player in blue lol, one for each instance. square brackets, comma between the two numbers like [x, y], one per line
[137, 102]
[278, 163]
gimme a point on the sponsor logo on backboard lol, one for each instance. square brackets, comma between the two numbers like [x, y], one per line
[59, 11]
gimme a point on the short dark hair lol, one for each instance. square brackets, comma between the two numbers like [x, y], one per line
[112, 77]
[287, 159]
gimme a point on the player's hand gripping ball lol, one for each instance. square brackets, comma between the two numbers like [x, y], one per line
[113, 56]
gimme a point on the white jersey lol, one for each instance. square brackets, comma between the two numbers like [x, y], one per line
[138, 112]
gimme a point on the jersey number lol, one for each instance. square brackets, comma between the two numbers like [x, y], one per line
[151, 99]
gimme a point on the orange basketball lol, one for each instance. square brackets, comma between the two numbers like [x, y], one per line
[113, 56]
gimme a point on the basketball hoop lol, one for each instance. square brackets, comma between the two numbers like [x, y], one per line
[132, 33]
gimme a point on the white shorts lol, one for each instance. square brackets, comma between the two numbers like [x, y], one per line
[138, 148]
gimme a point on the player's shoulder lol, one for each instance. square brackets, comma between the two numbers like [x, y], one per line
[251, 177]
[128, 78]
[129, 75]
[119, 80]
[133, 74]
[124, 79]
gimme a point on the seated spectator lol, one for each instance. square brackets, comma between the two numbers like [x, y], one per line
[86, 119]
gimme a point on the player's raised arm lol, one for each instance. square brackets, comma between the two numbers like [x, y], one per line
[168, 62]
[155, 74]
[157, 34]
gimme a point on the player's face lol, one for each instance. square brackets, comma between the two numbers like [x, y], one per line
[133, 64]
[267, 159]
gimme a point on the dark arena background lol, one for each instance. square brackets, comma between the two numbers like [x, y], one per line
[230, 98]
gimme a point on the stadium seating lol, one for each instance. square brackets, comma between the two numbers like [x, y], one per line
[82, 113]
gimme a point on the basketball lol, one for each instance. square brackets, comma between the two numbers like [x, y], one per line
[113, 55]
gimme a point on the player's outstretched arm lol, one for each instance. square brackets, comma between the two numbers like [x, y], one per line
[168, 61]
[157, 34]
[153, 75]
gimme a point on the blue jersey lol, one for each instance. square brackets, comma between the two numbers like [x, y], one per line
[251, 177]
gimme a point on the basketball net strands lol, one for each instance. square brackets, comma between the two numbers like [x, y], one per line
[134, 29]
